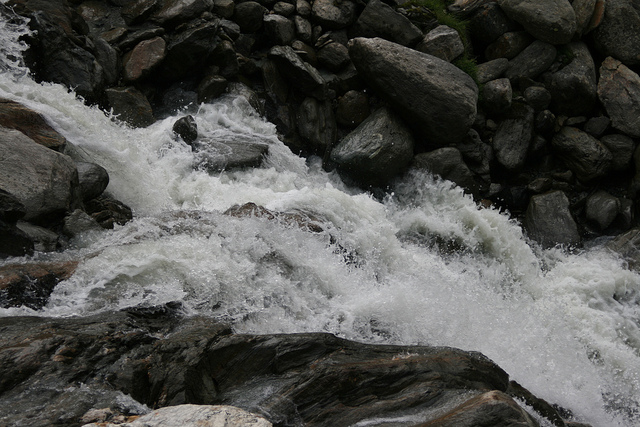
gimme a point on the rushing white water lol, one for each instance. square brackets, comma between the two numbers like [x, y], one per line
[566, 326]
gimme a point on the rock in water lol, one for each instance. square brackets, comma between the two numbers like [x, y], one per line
[549, 222]
[433, 95]
[552, 21]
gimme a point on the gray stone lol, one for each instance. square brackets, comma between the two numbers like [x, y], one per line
[491, 70]
[596, 126]
[497, 95]
[551, 21]
[619, 92]
[447, 162]
[307, 78]
[303, 28]
[93, 179]
[508, 45]
[627, 245]
[131, 106]
[79, 222]
[376, 151]
[487, 21]
[380, 20]
[352, 109]
[573, 87]
[584, 12]
[513, 137]
[622, 148]
[284, 8]
[189, 50]
[44, 240]
[532, 61]
[11, 210]
[334, 14]
[317, 125]
[548, 220]
[186, 128]
[13, 242]
[333, 56]
[134, 12]
[279, 29]
[108, 58]
[619, 33]
[602, 208]
[303, 8]
[238, 153]
[174, 12]
[443, 42]
[406, 78]
[537, 97]
[16, 116]
[582, 153]
[147, 55]
[224, 8]
[249, 15]
[44, 181]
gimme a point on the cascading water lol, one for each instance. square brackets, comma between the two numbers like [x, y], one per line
[423, 266]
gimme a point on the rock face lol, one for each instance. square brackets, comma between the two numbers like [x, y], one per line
[406, 78]
[376, 151]
[155, 357]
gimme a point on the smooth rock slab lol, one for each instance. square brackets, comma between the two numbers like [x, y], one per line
[431, 94]
[619, 92]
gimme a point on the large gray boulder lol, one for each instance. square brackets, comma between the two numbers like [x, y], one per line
[306, 77]
[532, 61]
[551, 21]
[513, 137]
[174, 12]
[147, 55]
[619, 32]
[317, 125]
[43, 180]
[380, 20]
[582, 153]
[548, 220]
[447, 162]
[443, 42]
[434, 96]
[619, 92]
[130, 105]
[376, 151]
[334, 14]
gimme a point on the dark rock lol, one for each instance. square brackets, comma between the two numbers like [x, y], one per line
[333, 56]
[491, 70]
[131, 106]
[353, 108]
[376, 151]
[307, 78]
[548, 220]
[582, 153]
[146, 56]
[619, 92]
[43, 180]
[380, 20]
[532, 61]
[406, 77]
[31, 284]
[238, 152]
[224, 8]
[284, 8]
[241, 90]
[211, 87]
[621, 148]
[186, 128]
[619, 33]
[249, 15]
[305, 52]
[497, 95]
[79, 222]
[304, 31]
[602, 208]
[298, 219]
[584, 10]
[551, 21]
[135, 37]
[44, 239]
[596, 126]
[317, 125]
[135, 12]
[11, 210]
[225, 58]
[13, 242]
[279, 29]
[334, 15]
[230, 29]
[545, 122]
[107, 211]
[447, 163]
[179, 96]
[513, 137]
[627, 245]
[30, 123]
[443, 42]
[573, 88]
[488, 22]
[174, 12]
[303, 7]
[537, 97]
[508, 45]
[93, 179]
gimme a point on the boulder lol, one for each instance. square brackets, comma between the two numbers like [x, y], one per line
[135, 12]
[303, 220]
[211, 87]
[79, 222]
[627, 246]
[13, 242]
[109, 59]
[573, 87]
[531, 62]
[249, 15]
[602, 208]
[513, 137]
[316, 125]
[333, 56]
[11, 210]
[487, 21]
[619, 92]
[174, 12]
[497, 95]
[491, 70]
[93, 179]
[146, 56]
[619, 32]
[376, 151]
[598, 125]
[284, 8]
[551, 21]
[333, 14]
[236, 152]
[186, 128]
[307, 78]
[130, 105]
[44, 239]
[443, 42]
[381, 20]
[132, 38]
[44, 181]
[107, 211]
[582, 153]
[549, 222]
[508, 45]
[584, 10]
[538, 97]
[225, 60]
[304, 31]
[352, 109]
[621, 148]
[406, 78]
[279, 29]
[303, 8]
[224, 8]
[16, 116]
[447, 163]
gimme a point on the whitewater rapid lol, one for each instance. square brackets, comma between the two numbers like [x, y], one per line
[423, 265]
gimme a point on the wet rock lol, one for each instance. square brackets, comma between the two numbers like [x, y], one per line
[596, 126]
[627, 245]
[573, 88]
[488, 22]
[619, 92]
[279, 29]
[43, 180]
[549, 222]
[31, 284]
[307, 78]
[135, 37]
[93, 179]
[131, 106]
[225, 58]
[186, 128]
[405, 77]
[447, 162]
[135, 12]
[352, 109]
[551, 21]
[107, 211]
[492, 70]
[79, 222]
[189, 50]
[380, 20]
[146, 56]
[303, 220]
[532, 61]
[443, 42]
[537, 97]
[11, 210]
[333, 56]
[249, 15]
[376, 151]
[508, 45]
[16, 116]
[317, 125]
[334, 15]
[44, 240]
[108, 58]
[582, 153]
[13, 242]
[211, 87]
[513, 137]
[497, 95]
[237, 153]
[174, 12]
[619, 33]
[602, 208]
[621, 148]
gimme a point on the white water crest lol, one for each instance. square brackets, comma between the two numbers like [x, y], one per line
[424, 266]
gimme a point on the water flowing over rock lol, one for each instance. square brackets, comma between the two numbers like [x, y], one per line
[551, 21]
[431, 94]
[30, 123]
[619, 92]
[448, 163]
[377, 150]
[131, 106]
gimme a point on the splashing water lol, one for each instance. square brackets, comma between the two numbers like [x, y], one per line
[423, 266]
